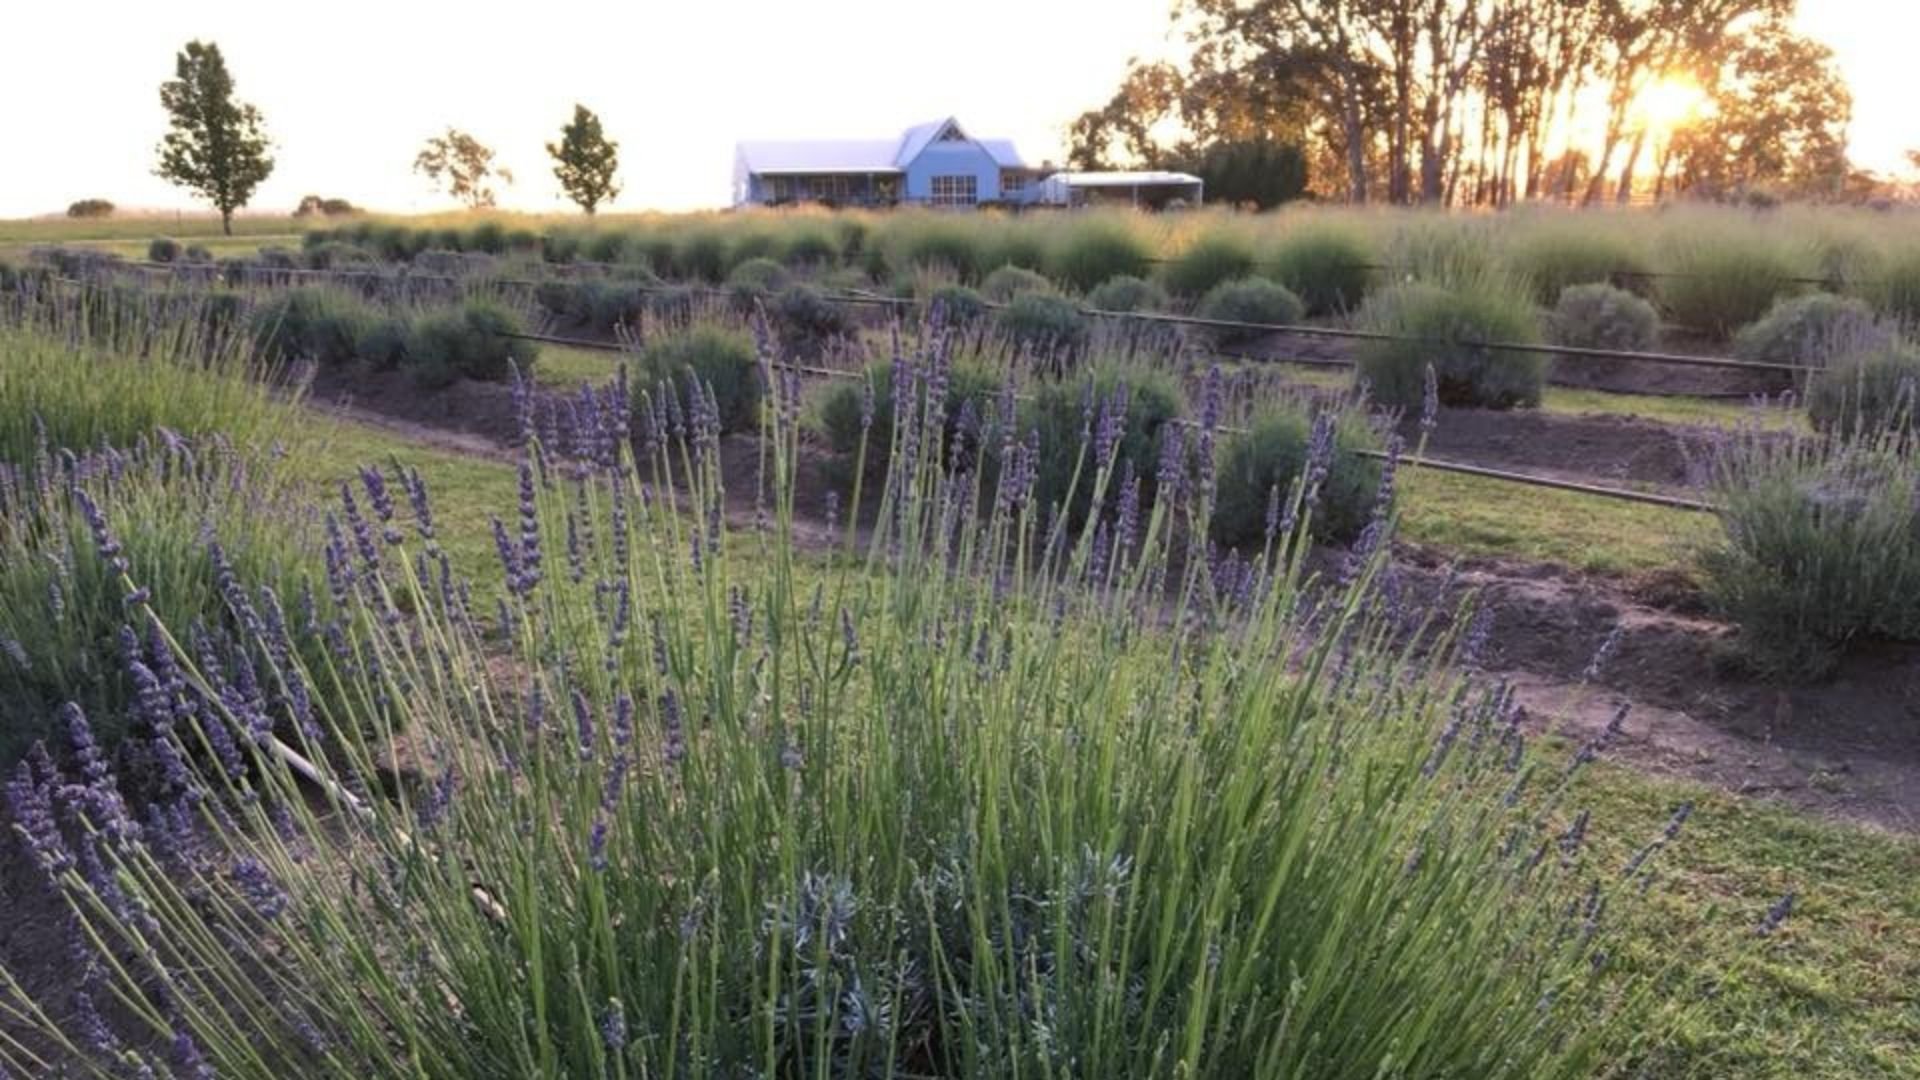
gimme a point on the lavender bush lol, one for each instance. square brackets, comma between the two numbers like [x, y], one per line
[204, 527]
[993, 798]
[1819, 544]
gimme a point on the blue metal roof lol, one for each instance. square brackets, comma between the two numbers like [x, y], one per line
[770, 156]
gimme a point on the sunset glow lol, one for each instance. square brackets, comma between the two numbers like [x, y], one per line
[1669, 104]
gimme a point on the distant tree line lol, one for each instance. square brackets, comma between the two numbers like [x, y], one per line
[1485, 102]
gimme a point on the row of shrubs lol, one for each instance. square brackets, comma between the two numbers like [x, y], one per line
[854, 418]
[1715, 273]
[435, 345]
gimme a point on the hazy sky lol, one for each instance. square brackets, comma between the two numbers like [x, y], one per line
[351, 88]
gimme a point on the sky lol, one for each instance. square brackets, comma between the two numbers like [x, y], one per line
[351, 88]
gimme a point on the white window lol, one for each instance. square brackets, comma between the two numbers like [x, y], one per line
[1012, 182]
[955, 191]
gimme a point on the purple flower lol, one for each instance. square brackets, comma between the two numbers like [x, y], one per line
[433, 809]
[673, 728]
[1430, 402]
[1667, 835]
[416, 489]
[258, 887]
[613, 1027]
[103, 538]
[583, 724]
[30, 798]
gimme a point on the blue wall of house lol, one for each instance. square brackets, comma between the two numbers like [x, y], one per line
[953, 159]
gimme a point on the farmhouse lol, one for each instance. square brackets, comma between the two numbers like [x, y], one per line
[932, 164]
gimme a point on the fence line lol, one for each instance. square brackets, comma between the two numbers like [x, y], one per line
[1649, 498]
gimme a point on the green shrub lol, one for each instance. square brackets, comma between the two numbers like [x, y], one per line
[1599, 316]
[1096, 250]
[1439, 327]
[1248, 300]
[1044, 324]
[1206, 263]
[90, 208]
[336, 254]
[1896, 292]
[62, 606]
[1057, 412]
[1819, 545]
[1722, 281]
[383, 343]
[837, 414]
[1588, 253]
[807, 322]
[1328, 268]
[522, 242]
[812, 248]
[604, 247]
[1812, 330]
[702, 256]
[723, 361]
[560, 247]
[314, 323]
[163, 249]
[752, 245]
[592, 305]
[468, 342]
[489, 237]
[1127, 293]
[82, 390]
[1010, 281]
[197, 253]
[1867, 392]
[958, 305]
[1270, 456]
[944, 247]
[755, 281]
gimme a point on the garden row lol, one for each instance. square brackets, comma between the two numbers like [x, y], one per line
[1710, 270]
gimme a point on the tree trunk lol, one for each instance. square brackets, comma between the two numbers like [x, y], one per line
[1624, 193]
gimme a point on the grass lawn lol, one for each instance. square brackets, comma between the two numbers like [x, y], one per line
[1474, 515]
[566, 368]
[1835, 992]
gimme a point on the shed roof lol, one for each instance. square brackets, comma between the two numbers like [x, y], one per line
[1142, 178]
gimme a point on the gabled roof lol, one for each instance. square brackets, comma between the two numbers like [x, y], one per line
[771, 156]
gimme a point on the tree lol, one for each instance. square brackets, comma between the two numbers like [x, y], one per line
[584, 161]
[1779, 120]
[217, 147]
[90, 208]
[314, 204]
[1259, 174]
[464, 165]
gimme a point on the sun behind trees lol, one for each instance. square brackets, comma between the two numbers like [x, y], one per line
[1469, 102]
[585, 160]
[218, 147]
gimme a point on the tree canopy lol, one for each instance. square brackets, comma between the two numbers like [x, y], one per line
[1484, 102]
[585, 160]
[464, 166]
[217, 146]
